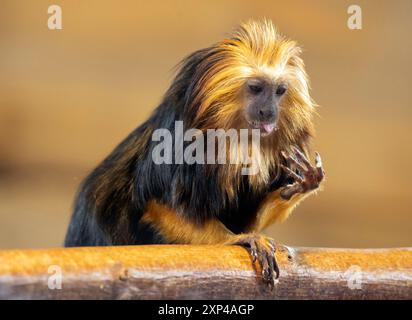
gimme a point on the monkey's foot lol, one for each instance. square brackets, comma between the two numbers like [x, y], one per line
[307, 177]
[263, 249]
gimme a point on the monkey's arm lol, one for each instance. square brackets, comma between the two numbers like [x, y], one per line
[275, 209]
[278, 205]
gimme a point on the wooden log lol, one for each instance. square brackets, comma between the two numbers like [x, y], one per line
[203, 272]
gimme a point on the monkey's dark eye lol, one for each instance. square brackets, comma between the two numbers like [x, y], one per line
[281, 90]
[255, 88]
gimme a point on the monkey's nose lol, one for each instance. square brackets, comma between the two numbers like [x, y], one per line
[267, 114]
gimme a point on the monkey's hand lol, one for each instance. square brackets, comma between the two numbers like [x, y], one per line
[263, 249]
[306, 177]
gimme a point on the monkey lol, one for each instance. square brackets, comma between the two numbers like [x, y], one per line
[254, 79]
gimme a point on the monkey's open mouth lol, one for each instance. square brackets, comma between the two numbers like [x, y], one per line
[265, 128]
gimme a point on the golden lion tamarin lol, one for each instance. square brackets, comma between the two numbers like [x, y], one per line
[253, 80]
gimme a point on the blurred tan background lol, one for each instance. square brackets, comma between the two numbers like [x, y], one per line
[67, 97]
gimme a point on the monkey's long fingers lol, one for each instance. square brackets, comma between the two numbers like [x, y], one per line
[265, 265]
[293, 160]
[274, 263]
[251, 244]
[302, 157]
[292, 173]
[272, 273]
[253, 251]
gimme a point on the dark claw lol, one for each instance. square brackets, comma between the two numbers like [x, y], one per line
[319, 166]
[274, 263]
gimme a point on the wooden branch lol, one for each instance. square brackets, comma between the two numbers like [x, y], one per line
[203, 272]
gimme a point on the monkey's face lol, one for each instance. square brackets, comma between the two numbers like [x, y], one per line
[253, 80]
[261, 100]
